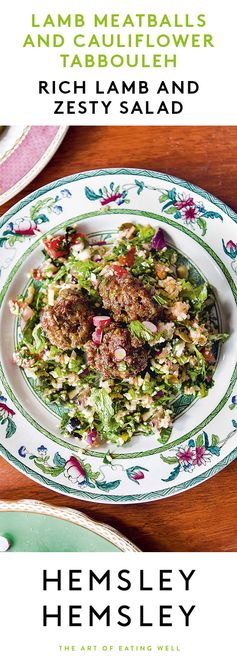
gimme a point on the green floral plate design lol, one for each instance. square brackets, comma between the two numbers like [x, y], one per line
[204, 436]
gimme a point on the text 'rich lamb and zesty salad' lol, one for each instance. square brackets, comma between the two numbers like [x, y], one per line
[114, 333]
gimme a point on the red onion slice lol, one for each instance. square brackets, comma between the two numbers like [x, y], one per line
[158, 241]
[91, 436]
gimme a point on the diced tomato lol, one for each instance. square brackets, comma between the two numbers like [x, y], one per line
[128, 259]
[208, 356]
[56, 247]
[76, 237]
[119, 271]
[122, 260]
[130, 256]
[37, 276]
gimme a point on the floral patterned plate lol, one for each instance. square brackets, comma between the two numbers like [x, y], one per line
[204, 436]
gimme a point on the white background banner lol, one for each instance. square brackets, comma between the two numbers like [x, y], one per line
[209, 637]
[198, 36]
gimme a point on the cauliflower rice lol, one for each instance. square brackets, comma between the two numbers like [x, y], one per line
[114, 334]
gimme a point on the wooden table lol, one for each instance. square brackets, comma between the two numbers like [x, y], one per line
[204, 518]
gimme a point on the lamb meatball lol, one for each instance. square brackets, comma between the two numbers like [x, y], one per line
[106, 358]
[68, 324]
[127, 298]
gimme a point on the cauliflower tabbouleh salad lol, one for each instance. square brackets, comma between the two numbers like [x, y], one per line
[115, 333]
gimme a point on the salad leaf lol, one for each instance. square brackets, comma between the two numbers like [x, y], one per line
[219, 337]
[83, 270]
[104, 405]
[143, 235]
[61, 272]
[203, 391]
[160, 299]
[27, 334]
[197, 296]
[82, 266]
[140, 331]
[201, 361]
[39, 338]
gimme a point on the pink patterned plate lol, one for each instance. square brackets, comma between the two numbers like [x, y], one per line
[24, 152]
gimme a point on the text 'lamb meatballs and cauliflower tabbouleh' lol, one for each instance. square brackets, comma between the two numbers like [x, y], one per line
[115, 333]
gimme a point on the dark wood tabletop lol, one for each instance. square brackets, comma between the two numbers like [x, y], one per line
[204, 518]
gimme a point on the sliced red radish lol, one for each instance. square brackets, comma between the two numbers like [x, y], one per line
[150, 326]
[97, 336]
[101, 321]
[119, 354]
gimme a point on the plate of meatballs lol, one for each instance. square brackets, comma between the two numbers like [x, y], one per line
[118, 336]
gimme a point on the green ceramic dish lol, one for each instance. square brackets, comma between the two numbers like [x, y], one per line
[33, 526]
